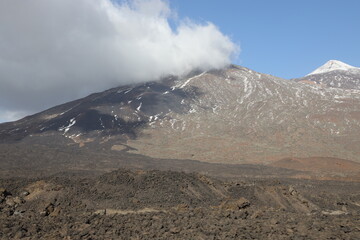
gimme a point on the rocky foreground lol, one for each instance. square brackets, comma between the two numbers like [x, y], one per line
[133, 204]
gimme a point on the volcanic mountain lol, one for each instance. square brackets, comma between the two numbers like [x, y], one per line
[334, 74]
[232, 115]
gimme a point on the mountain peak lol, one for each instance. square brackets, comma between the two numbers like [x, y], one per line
[332, 65]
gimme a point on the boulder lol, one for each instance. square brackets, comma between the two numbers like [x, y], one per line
[235, 204]
[10, 201]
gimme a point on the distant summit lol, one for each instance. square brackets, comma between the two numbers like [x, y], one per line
[332, 65]
[334, 74]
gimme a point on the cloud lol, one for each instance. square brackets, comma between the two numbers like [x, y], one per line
[53, 51]
[10, 115]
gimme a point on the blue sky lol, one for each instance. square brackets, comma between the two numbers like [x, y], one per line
[282, 37]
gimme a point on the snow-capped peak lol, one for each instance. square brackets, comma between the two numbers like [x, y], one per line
[332, 65]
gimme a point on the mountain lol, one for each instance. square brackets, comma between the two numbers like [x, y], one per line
[333, 65]
[334, 74]
[233, 115]
[263, 143]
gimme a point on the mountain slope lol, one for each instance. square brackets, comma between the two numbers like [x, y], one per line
[234, 115]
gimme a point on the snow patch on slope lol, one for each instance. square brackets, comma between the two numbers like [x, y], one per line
[67, 128]
[187, 81]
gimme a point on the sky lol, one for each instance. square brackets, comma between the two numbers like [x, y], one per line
[284, 38]
[54, 51]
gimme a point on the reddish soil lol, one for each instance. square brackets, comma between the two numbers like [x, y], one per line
[321, 165]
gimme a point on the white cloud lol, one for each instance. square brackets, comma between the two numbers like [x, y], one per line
[6, 115]
[52, 51]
